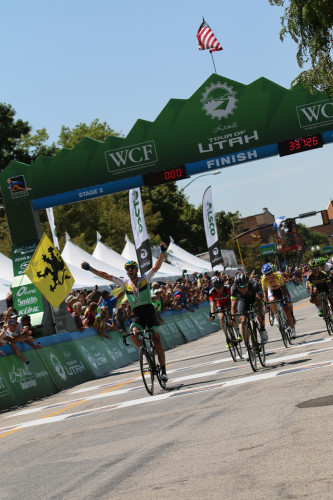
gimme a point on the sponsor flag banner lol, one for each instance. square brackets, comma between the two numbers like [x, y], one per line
[210, 229]
[49, 272]
[50, 216]
[206, 38]
[140, 235]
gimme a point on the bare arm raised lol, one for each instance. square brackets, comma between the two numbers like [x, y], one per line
[160, 259]
[101, 274]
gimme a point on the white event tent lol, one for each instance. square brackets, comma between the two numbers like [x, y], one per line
[180, 257]
[106, 254]
[74, 255]
[167, 270]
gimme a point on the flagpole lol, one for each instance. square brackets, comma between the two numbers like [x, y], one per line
[213, 61]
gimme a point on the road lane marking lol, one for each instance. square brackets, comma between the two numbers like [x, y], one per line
[116, 390]
[160, 397]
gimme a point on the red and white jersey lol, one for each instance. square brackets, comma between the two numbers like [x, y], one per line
[220, 295]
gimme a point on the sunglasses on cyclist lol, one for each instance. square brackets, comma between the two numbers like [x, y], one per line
[130, 267]
[242, 286]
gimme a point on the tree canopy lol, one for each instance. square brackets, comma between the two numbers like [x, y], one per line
[310, 23]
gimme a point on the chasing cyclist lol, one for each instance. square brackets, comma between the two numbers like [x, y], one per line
[245, 293]
[274, 288]
[327, 267]
[137, 290]
[219, 299]
[318, 281]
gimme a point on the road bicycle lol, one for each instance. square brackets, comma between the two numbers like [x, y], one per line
[326, 309]
[234, 345]
[270, 316]
[283, 324]
[149, 364]
[255, 347]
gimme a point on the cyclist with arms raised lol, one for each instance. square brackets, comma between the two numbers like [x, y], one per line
[137, 290]
[274, 288]
[245, 293]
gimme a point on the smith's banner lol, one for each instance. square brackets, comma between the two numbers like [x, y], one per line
[140, 235]
[210, 229]
[49, 272]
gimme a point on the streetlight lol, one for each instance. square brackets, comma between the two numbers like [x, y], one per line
[315, 250]
[211, 173]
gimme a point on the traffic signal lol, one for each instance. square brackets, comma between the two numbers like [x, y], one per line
[325, 217]
[288, 225]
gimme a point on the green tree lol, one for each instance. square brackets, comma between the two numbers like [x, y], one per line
[68, 138]
[35, 145]
[309, 23]
[11, 131]
[17, 142]
[311, 238]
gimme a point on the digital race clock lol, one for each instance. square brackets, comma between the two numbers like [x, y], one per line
[169, 175]
[300, 144]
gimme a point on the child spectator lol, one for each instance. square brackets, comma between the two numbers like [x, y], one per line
[77, 313]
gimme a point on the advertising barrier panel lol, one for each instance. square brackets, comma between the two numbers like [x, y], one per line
[68, 359]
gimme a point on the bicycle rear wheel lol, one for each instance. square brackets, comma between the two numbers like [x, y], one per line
[147, 370]
[250, 345]
[231, 341]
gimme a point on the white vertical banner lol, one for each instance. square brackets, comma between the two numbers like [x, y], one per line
[140, 235]
[210, 228]
[50, 216]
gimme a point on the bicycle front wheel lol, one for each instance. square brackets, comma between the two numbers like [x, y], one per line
[231, 341]
[147, 370]
[158, 371]
[270, 316]
[327, 312]
[282, 327]
[260, 347]
[250, 345]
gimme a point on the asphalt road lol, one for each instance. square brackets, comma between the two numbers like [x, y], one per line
[220, 431]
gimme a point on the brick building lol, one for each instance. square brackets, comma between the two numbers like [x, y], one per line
[327, 229]
[265, 233]
[254, 221]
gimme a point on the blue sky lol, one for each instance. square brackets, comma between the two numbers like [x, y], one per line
[72, 61]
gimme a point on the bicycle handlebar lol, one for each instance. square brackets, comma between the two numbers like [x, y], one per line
[139, 332]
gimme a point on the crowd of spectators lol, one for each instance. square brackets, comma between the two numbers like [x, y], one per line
[105, 312]
[295, 274]
[15, 330]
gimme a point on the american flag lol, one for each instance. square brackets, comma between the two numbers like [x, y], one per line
[207, 39]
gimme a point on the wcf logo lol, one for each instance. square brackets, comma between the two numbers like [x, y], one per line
[315, 113]
[131, 157]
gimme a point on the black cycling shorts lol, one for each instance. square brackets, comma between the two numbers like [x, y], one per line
[322, 287]
[244, 304]
[144, 316]
[277, 294]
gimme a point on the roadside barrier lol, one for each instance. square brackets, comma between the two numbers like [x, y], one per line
[69, 359]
